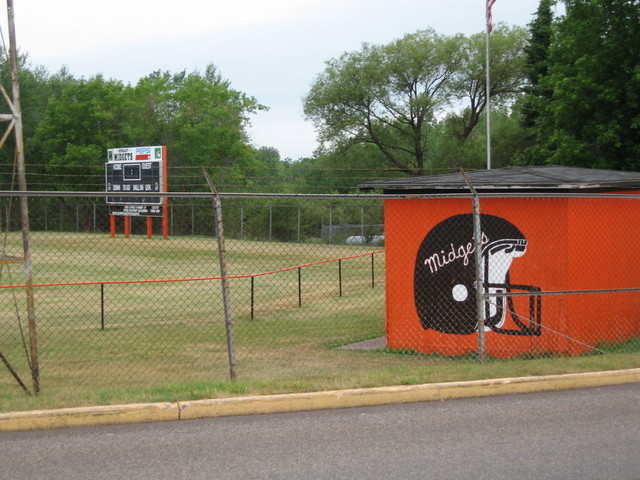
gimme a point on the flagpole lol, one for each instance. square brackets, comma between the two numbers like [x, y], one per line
[489, 27]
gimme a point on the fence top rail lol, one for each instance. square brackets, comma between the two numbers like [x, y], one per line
[327, 196]
[20, 193]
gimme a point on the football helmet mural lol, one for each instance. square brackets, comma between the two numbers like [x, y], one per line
[444, 278]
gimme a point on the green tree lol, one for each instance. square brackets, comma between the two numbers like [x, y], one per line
[342, 170]
[269, 172]
[199, 117]
[387, 96]
[203, 122]
[390, 96]
[593, 117]
[508, 140]
[507, 76]
[77, 128]
[537, 64]
[37, 86]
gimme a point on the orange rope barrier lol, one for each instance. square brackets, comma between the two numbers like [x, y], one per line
[111, 282]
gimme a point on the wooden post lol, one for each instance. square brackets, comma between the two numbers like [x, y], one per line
[24, 208]
[479, 271]
[226, 297]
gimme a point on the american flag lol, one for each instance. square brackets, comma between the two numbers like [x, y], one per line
[489, 20]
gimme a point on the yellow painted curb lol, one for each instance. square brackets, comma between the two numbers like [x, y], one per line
[88, 416]
[221, 407]
[399, 394]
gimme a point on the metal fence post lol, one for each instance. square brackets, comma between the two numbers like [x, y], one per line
[270, 220]
[477, 242]
[330, 223]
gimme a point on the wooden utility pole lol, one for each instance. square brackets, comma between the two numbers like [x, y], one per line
[24, 207]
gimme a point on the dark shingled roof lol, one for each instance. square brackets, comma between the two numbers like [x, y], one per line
[535, 179]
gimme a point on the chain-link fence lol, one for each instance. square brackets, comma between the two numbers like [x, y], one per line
[312, 300]
[119, 311]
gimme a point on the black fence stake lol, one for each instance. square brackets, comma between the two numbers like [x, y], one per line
[102, 306]
[252, 287]
[373, 272]
[299, 287]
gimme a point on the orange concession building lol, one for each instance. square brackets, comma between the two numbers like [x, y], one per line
[561, 244]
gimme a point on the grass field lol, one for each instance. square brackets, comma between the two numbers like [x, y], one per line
[166, 341]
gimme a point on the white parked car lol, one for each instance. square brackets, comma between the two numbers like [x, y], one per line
[362, 240]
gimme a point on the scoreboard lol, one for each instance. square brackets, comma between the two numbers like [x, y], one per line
[135, 170]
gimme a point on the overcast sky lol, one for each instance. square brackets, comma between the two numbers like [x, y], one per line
[269, 49]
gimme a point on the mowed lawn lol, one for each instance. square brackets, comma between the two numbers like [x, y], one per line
[135, 313]
[137, 319]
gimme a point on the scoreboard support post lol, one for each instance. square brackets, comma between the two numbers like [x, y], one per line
[127, 226]
[165, 200]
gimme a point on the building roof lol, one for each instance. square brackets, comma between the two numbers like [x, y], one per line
[533, 179]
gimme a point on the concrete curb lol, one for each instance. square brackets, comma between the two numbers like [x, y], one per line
[88, 416]
[222, 407]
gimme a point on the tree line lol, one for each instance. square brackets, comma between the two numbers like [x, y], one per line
[564, 90]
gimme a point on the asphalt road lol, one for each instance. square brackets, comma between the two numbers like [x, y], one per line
[587, 434]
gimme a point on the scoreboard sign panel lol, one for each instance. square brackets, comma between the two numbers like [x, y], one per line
[135, 170]
[139, 177]
[136, 210]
